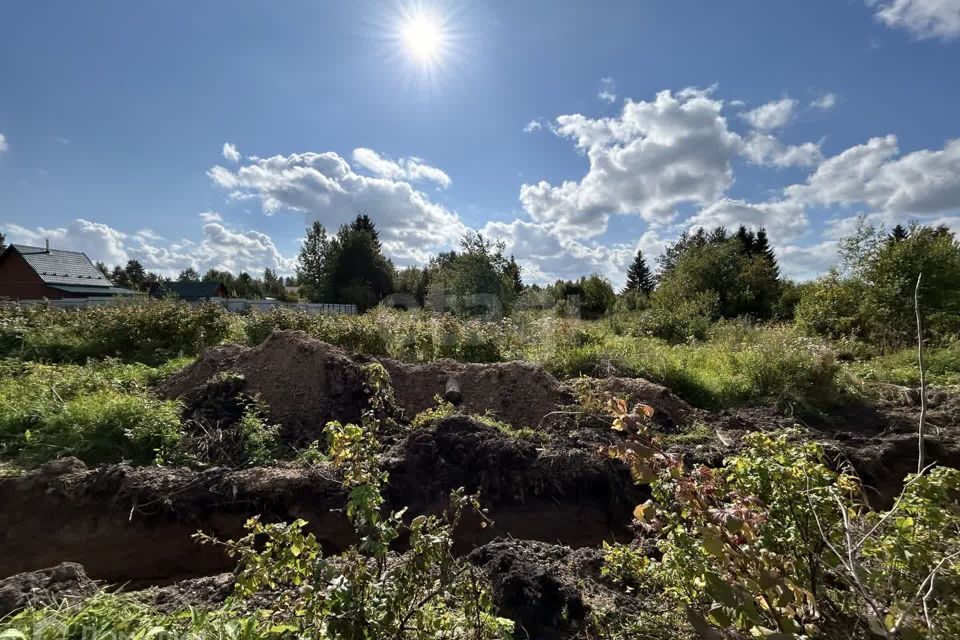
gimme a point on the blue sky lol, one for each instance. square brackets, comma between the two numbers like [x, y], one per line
[209, 133]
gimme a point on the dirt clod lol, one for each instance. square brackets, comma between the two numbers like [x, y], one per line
[65, 582]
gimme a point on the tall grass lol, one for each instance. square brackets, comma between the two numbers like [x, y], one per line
[735, 364]
[151, 332]
[900, 367]
[100, 412]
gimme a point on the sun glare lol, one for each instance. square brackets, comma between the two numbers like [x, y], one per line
[423, 38]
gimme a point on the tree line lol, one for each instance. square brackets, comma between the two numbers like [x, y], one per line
[703, 276]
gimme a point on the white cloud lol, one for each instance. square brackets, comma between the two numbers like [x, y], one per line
[62, 140]
[545, 258]
[410, 169]
[784, 220]
[3, 143]
[230, 152]
[324, 187]
[608, 90]
[149, 234]
[772, 115]
[922, 182]
[533, 125]
[922, 18]
[210, 216]
[807, 262]
[825, 102]
[652, 157]
[765, 149]
[218, 248]
[98, 241]
[238, 251]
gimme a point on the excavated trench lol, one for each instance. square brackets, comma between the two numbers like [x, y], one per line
[134, 524]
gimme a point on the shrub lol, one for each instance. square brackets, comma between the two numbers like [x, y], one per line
[775, 542]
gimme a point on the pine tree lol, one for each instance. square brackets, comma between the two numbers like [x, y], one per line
[899, 234]
[746, 238]
[363, 222]
[761, 246]
[639, 277]
[311, 271]
[513, 274]
[3, 241]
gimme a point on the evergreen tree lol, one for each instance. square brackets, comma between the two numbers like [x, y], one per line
[513, 274]
[761, 247]
[364, 223]
[746, 238]
[311, 263]
[355, 269]
[899, 234]
[3, 241]
[639, 277]
[136, 275]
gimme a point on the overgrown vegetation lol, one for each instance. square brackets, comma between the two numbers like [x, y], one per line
[779, 545]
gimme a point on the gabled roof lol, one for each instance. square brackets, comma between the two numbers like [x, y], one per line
[188, 290]
[58, 267]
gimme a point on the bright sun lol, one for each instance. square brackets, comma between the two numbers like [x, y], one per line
[423, 37]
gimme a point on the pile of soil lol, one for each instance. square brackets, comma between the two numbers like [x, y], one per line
[306, 383]
[518, 393]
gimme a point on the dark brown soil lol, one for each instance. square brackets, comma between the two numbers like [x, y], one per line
[66, 582]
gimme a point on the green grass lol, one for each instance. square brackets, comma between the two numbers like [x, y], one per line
[108, 616]
[900, 367]
[738, 365]
[99, 412]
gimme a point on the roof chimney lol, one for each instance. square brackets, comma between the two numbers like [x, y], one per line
[47, 241]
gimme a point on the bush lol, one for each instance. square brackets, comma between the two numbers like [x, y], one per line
[678, 320]
[776, 544]
[835, 307]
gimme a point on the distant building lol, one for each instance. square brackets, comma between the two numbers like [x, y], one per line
[34, 273]
[189, 290]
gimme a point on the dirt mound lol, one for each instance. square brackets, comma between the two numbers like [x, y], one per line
[305, 382]
[206, 592]
[669, 410]
[538, 585]
[63, 583]
[519, 393]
